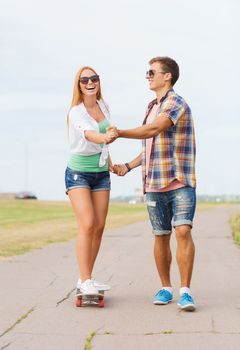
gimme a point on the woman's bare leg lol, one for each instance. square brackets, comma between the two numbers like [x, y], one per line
[81, 200]
[100, 200]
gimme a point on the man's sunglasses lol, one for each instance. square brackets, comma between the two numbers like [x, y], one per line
[85, 80]
[151, 72]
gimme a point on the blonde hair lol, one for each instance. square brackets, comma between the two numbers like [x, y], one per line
[77, 93]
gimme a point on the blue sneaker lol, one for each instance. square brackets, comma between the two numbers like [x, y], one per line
[162, 297]
[186, 302]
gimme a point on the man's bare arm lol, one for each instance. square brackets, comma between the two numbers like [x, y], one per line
[147, 131]
[136, 161]
[123, 169]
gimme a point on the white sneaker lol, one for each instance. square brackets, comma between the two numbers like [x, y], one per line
[101, 286]
[98, 285]
[79, 282]
[88, 288]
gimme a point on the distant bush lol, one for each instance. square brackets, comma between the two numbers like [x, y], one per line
[235, 223]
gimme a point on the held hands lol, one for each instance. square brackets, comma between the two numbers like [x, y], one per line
[111, 134]
[120, 169]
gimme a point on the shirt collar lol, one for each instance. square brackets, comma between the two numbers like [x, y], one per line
[166, 95]
[152, 103]
[102, 106]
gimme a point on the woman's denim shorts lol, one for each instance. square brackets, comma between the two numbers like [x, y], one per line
[92, 181]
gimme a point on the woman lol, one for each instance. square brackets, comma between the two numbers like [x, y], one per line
[87, 175]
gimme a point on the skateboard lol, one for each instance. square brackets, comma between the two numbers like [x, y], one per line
[90, 300]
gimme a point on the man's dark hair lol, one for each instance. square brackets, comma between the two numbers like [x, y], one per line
[168, 66]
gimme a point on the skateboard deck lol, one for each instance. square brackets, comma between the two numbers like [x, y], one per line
[90, 300]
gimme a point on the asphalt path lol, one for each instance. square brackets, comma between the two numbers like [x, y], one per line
[37, 303]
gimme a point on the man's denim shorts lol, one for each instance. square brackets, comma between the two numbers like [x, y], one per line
[92, 181]
[172, 208]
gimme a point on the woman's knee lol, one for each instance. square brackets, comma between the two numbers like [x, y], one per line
[85, 228]
[99, 228]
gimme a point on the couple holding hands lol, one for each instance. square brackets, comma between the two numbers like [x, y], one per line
[168, 172]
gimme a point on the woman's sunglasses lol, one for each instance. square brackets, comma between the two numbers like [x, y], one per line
[85, 80]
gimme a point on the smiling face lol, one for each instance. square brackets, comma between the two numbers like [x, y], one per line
[89, 87]
[157, 78]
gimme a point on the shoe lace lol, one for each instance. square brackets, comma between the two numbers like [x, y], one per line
[162, 292]
[89, 283]
[187, 297]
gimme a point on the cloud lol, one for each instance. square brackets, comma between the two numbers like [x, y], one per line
[223, 132]
[20, 101]
[44, 43]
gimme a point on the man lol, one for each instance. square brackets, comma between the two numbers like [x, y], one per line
[168, 166]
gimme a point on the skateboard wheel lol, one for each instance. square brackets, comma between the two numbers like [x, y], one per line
[101, 302]
[78, 302]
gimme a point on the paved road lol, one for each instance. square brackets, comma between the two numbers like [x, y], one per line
[37, 309]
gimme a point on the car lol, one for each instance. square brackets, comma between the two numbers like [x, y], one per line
[25, 195]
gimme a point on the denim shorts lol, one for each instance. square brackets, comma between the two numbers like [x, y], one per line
[92, 181]
[172, 208]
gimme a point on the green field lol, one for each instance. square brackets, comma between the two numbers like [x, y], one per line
[28, 224]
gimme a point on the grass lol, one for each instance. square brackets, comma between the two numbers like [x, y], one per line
[88, 343]
[235, 224]
[28, 224]
[19, 320]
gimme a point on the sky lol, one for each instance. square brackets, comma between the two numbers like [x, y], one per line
[44, 43]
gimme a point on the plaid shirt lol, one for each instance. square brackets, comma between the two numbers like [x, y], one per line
[173, 150]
